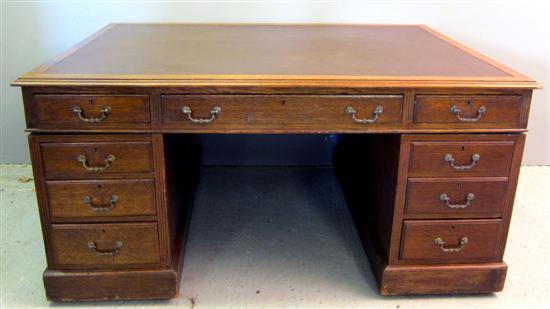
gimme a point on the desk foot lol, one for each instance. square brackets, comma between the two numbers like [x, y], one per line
[442, 279]
[111, 285]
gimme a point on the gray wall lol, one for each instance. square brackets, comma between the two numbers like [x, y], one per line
[515, 33]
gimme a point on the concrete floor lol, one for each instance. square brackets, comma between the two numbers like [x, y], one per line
[303, 252]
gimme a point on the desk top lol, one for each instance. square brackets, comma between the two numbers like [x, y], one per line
[238, 54]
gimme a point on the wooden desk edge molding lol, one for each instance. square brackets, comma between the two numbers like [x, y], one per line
[116, 120]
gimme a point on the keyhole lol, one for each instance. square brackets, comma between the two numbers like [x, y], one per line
[283, 102]
[462, 148]
[95, 149]
[469, 102]
[452, 226]
[91, 101]
[458, 185]
[99, 187]
[103, 231]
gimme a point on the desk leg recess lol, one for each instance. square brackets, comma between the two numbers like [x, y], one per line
[117, 229]
[418, 242]
[432, 210]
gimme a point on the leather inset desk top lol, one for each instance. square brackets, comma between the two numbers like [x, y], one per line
[179, 54]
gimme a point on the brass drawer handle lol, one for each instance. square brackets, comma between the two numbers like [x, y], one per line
[445, 198]
[377, 112]
[108, 161]
[216, 110]
[438, 242]
[100, 208]
[480, 112]
[93, 247]
[451, 160]
[106, 110]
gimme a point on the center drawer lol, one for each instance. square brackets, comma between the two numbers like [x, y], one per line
[271, 112]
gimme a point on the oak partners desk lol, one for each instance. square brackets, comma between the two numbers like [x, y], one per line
[430, 139]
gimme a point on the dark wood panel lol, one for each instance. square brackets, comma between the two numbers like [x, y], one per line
[436, 159]
[180, 177]
[367, 169]
[511, 192]
[66, 160]
[97, 199]
[463, 197]
[444, 279]
[460, 241]
[111, 285]
[41, 195]
[124, 245]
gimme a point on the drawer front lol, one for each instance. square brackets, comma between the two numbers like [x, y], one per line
[461, 158]
[97, 199]
[471, 111]
[277, 112]
[90, 111]
[353, 111]
[94, 246]
[450, 241]
[90, 159]
[458, 198]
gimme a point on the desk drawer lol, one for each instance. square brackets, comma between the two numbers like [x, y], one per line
[469, 110]
[98, 199]
[458, 198]
[94, 246]
[90, 111]
[460, 158]
[74, 160]
[242, 112]
[450, 241]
